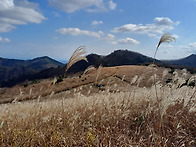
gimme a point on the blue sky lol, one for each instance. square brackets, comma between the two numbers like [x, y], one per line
[55, 28]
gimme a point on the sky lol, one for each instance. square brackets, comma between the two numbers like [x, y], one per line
[55, 28]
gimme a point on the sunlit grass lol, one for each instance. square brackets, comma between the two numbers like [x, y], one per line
[103, 119]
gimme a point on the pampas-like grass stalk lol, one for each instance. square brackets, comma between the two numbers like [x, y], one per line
[165, 38]
[97, 76]
[79, 54]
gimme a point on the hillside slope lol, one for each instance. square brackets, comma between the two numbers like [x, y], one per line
[117, 78]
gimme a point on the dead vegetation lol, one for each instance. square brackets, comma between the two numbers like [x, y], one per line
[119, 109]
[102, 119]
[116, 77]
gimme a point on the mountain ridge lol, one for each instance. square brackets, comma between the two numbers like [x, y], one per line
[14, 62]
[116, 58]
[13, 68]
[189, 61]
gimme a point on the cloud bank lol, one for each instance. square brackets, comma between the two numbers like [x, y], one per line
[189, 48]
[110, 38]
[77, 32]
[160, 25]
[20, 12]
[128, 41]
[71, 6]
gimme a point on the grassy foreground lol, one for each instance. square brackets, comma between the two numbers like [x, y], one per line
[103, 119]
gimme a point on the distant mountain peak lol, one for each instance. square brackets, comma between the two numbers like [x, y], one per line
[189, 61]
[42, 57]
[13, 68]
[192, 55]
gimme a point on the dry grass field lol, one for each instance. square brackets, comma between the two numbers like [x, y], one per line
[113, 106]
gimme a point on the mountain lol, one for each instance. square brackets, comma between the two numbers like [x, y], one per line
[44, 67]
[39, 63]
[189, 61]
[116, 58]
[17, 71]
[13, 68]
[125, 57]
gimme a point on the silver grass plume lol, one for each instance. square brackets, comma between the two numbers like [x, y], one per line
[165, 38]
[98, 73]
[79, 54]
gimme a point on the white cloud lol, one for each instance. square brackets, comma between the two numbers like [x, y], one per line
[192, 45]
[161, 24]
[4, 27]
[18, 13]
[189, 48]
[165, 21]
[128, 41]
[6, 4]
[95, 22]
[77, 32]
[112, 5]
[175, 36]
[109, 37]
[89, 5]
[4, 40]
[74, 5]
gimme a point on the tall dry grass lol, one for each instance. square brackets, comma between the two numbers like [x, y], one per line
[79, 54]
[103, 119]
[166, 37]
